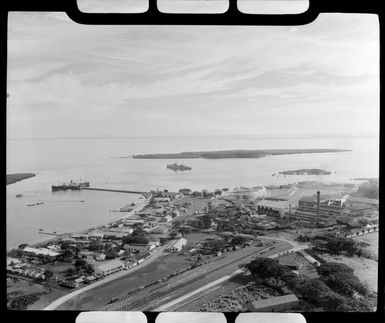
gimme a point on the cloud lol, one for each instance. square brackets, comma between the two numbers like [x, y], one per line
[190, 79]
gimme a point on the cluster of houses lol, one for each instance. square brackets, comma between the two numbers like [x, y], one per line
[18, 267]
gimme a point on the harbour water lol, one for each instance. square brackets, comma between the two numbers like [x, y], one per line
[60, 160]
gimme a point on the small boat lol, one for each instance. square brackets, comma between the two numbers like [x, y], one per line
[19, 195]
[176, 167]
[41, 229]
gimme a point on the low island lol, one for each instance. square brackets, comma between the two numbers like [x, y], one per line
[235, 153]
[13, 178]
[306, 171]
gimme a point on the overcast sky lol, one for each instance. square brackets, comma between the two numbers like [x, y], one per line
[66, 79]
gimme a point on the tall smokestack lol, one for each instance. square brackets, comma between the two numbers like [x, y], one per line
[318, 206]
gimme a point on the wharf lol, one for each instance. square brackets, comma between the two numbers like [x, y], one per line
[145, 194]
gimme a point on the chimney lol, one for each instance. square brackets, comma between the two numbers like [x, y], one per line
[318, 206]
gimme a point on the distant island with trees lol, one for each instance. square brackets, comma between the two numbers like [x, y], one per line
[13, 178]
[306, 171]
[235, 153]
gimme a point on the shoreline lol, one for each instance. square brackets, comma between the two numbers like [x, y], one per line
[14, 178]
[238, 153]
[139, 205]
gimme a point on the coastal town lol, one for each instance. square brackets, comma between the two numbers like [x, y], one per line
[308, 246]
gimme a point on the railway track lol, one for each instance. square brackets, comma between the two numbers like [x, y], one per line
[141, 296]
[154, 293]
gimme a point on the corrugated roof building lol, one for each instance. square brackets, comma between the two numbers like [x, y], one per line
[273, 207]
[273, 304]
[109, 267]
[178, 245]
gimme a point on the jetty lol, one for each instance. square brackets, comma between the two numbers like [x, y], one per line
[145, 194]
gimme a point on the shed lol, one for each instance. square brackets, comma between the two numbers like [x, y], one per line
[274, 304]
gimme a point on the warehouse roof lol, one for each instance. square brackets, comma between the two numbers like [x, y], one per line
[110, 265]
[281, 205]
[41, 251]
[274, 301]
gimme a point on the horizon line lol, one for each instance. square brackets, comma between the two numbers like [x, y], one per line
[366, 134]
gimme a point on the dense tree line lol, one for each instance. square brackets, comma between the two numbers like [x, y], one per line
[332, 291]
[138, 236]
[22, 302]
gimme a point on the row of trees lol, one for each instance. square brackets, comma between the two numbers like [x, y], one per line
[332, 291]
[22, 302]
[339, 246]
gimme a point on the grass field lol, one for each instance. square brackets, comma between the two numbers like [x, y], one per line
[100, 296]
[365, 269]
[25, 287]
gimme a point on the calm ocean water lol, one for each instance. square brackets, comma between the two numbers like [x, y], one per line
[61, 160]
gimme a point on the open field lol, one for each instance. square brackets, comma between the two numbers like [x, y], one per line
[372, 240]
[236, 299]
[25, 287]
[101, 295]
[365, 269]
[211, 294]
[161, 268]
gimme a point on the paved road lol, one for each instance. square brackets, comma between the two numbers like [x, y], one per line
[297, 247]
[157, 253]
[290, 242]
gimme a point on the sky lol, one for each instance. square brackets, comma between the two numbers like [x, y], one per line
[71, 80]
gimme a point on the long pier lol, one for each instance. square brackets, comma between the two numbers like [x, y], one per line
[145, 194]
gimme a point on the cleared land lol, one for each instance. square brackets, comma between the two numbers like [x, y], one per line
[25, 287]
[13, 178]
[161, 268]
[100, 296]
[372, 240]
[236, 153]
[365, 269]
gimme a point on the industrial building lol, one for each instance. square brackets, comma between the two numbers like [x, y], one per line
[314, 212]
[246, 193]
[41, 252]
[274, 304]
[273, 207]
[110, 267]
